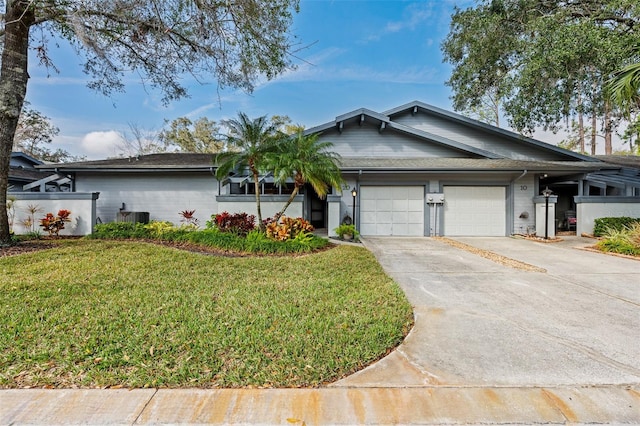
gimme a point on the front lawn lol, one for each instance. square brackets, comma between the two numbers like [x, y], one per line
[129, 314]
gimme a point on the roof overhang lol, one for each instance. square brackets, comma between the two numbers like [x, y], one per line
[464, 165]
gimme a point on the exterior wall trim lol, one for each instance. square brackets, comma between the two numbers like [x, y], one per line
[580, 199]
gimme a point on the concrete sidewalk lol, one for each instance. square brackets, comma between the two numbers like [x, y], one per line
[491, 345]
[339, 406]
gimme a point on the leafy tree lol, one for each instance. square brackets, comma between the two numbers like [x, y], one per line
[306, 160]
[249, 142]
[539, 57]
[231, 41]
[201, 135]
[285, 124]
[34, 132]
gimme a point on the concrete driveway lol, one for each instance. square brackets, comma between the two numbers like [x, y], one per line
[481, 324]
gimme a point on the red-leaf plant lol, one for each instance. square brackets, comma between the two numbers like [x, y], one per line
[54, 224]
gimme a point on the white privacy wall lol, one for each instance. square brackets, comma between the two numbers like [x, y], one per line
[81, 206]
[164, 196]
[588, 209]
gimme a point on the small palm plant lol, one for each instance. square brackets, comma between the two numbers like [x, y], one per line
[307, 160]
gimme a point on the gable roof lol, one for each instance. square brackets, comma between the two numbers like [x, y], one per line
[384, 122]
[416, 106]
[19, 155]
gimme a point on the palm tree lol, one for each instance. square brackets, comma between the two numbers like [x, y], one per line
[306, 160]
[248, 142]
[625, 87]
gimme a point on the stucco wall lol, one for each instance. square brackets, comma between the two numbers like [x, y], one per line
[164, 196]
[81, 205]
[588, 209]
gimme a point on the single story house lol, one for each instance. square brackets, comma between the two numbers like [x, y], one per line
[23, 172]
[414, 170]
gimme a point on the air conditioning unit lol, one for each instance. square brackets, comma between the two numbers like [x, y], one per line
[133, 217]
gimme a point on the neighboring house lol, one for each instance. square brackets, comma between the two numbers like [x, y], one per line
[24, 176]
[416, 169]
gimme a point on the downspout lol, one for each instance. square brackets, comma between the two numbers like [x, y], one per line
[524, 173]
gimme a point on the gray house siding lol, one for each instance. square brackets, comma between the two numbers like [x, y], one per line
[476, 138]
[368, 141]
[163, 195]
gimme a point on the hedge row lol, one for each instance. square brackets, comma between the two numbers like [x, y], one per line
[603, 224]
[254, 242]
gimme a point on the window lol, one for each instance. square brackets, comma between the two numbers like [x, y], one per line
[266, 188]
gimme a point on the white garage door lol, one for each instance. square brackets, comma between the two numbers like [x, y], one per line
[475, 211]
[392, 210]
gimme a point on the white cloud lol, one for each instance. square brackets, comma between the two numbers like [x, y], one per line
[414, 15]
[99, 145]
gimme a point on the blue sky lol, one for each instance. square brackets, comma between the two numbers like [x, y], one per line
[371, 54]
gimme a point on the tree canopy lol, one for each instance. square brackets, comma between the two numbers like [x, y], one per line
[232, 43]
[201, 135]
[547, 61]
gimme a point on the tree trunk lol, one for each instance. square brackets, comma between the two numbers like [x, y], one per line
[608, 148]
[256, 185]
[13, 87]
[580, 126]
[296, 189]
[594, 123]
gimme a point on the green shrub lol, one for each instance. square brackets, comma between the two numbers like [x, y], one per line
[603, 224]
[158, 229]
[120, 230]
[254, 242]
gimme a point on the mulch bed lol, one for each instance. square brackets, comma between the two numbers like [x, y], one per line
[25, 247]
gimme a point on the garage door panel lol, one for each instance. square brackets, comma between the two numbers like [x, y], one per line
[475, 210]
[415, 193]
[415, 206]
[392, 210]
[415, 217]
[367, 205]
[400, 205]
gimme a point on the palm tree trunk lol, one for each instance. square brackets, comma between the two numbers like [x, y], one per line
[13, 87]
[256, 184]
[296, 189]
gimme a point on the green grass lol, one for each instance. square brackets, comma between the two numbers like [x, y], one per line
[110, 313]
